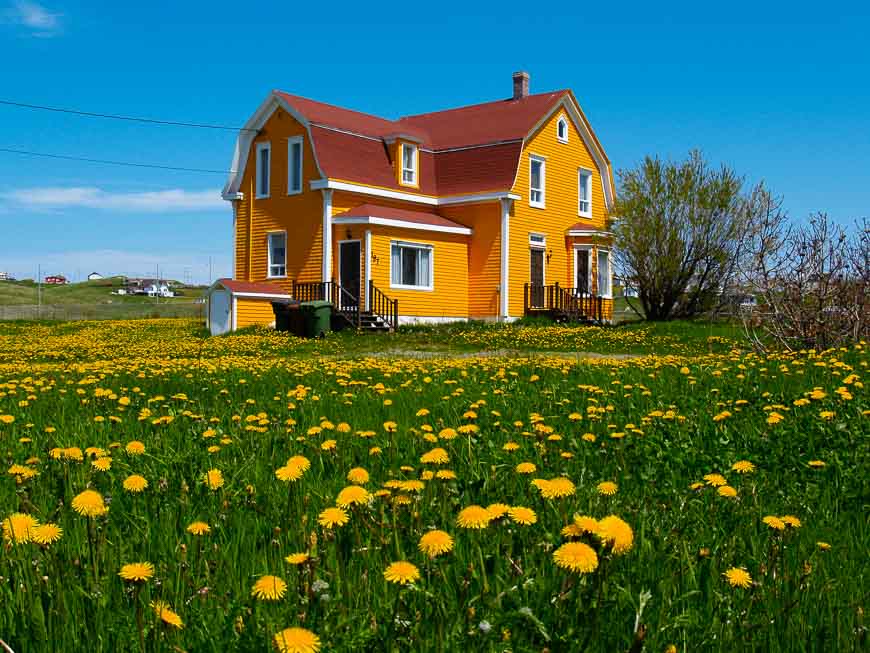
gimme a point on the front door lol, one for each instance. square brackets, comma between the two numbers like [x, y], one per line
[349, 272]
[536, 280]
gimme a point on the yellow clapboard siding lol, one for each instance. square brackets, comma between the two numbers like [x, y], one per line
[563, 160]
[449, 294]
[251, 311]
[484, 254]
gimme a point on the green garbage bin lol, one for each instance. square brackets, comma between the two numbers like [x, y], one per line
[317, 316]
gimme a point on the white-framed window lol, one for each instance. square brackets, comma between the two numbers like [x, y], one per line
[264, 165]
[538, 240]
[584, 192]
[583, 270]
[604, 274]
[411, 266]
[294, 165]
[409, 164]
[277, 245]
[537, 181]
[562, 130]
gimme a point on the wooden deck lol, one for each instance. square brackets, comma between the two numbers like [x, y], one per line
[562, 304]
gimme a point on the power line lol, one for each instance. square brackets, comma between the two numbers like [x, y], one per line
[114, 163]
[111, 116]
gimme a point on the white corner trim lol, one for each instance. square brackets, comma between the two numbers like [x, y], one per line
[504, 269]
[235, 311]
[326, 263]
[389, 222]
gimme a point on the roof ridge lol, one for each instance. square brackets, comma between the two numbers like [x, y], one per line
[334, 106]
[483, 104]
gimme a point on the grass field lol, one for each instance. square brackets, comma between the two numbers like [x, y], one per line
[14, 293]
[172, 492]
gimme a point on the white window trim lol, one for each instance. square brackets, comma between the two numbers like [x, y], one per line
[562, 121]
[543, 203]
[577, 250]
[269, 274]
[293, 140]
[609, 295]
[259, 172]
[416, 169]
[542, 244]
[401, 286]
[580, 173]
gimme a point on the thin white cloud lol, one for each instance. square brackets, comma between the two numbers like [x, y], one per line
[36, 18]
[164, 201]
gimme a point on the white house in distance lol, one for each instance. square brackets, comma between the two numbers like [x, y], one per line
[95, 276]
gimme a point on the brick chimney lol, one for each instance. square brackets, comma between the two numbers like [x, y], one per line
[521, 85]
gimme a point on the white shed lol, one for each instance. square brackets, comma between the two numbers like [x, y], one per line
[235, 304]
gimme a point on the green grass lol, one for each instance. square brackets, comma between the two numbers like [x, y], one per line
[87, 292]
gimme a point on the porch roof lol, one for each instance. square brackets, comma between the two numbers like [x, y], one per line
[392, 217]
[251, 288]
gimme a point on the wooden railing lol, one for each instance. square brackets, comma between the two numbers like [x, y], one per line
[383, 307]
[562, 303]
[348, 306]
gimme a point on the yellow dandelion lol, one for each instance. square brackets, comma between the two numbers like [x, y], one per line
[269, 588]
[352, 495]
[198, 528]
[214, 479]
[297, 558]
[522, 515]
[135, 483]
[526, 468]
[791, 520]
[46, 534]
[328, 445]
[411, 485]
[445, 474]
[586, 524]
[715, 479]
[816, 463]
[137, 572]
[823, 546]
[607, 488]
[726, 491]
[358, 476]
[577, 557]
[614, 531]
[166, 615]
[743, 467]
[498, 510]
[434, 543]
[474, 516]
[90, 504]
[402, 573]
[102, 464]
[18, 528]
[774, 522]
[555, 488]
[332, 517]
[738, 577]
[288, 473]
[299, 461]
[437, 456]
[296, 640]
[135, 448]
[447, 434]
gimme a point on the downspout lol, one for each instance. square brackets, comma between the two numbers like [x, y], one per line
[368, 268]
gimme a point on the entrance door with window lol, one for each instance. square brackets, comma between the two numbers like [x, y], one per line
[536, 278]
[349, 273]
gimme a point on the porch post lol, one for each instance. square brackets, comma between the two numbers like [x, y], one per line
[367, 263]
[326, 275]
[504, 309]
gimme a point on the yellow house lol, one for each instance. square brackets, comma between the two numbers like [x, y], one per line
[490, 211]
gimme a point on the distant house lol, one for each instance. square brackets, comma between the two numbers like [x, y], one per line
[55, 279]
[159, 289]
[95, 276]
[4, 276]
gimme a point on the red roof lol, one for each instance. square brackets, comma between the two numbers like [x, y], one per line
[404, 215]
[350, 145]
[236, 286]
[584, 225]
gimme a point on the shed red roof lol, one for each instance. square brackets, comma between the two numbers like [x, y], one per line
[236, 286]
[404, 215]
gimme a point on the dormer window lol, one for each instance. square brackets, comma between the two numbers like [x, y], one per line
[409, 160]
[562, 130]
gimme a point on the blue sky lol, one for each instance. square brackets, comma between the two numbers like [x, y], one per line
[778, 90]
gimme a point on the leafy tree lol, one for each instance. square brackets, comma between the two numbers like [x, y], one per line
[678, 233]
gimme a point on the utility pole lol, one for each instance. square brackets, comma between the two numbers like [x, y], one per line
[38, 290]
[209, 270]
